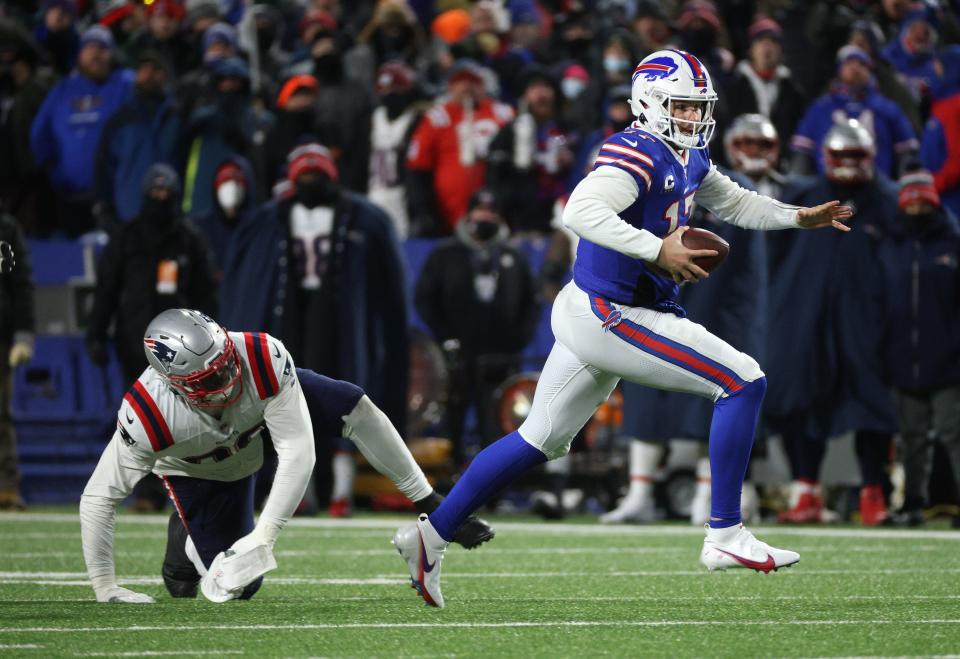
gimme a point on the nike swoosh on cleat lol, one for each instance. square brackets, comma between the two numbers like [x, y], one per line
[633, 144]
[765, 566]
[427, 567]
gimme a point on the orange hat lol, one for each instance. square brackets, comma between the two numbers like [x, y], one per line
[293, 85]
[451, 26]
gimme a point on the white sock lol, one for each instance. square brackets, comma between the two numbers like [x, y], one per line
[430, 536]
[644, 460]
[344, 469]
[703, 478]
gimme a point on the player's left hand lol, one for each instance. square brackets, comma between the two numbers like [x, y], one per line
[825, 215]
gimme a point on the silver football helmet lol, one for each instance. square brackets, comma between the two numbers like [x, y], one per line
[848, 153]
[196, 357]
[752, 145]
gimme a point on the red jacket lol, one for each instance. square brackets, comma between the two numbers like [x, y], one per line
[455, 150]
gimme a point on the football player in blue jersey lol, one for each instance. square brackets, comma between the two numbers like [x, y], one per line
[619, 317]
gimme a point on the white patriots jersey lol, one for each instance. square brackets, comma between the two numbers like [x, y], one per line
[158, 427]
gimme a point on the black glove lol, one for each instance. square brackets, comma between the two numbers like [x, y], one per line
[97, 351]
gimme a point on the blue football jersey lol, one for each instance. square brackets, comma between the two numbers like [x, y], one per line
[667, 183]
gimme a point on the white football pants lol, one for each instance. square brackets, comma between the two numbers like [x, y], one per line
[598, 343]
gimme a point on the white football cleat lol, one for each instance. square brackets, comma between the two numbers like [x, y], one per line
[422, 548]
[735, 547]
[631, 510]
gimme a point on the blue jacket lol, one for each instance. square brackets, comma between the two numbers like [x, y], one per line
[922, 276]
[215, 226]
[372, 294]
[936, 74]
[827, 305]
[137, 136]
[66, 130]
[731, 303]
[890, 127]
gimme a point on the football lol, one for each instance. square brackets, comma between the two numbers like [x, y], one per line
[696, 238]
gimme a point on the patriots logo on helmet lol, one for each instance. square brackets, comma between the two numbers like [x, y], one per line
[164, 353]
[655, 69]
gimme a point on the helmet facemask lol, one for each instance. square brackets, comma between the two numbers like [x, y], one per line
[217, 386]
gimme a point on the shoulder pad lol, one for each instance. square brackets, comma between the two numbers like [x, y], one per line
[141, 421]
[270, 363]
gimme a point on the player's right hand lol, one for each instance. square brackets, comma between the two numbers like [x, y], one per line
[120, 595]
[677, 260]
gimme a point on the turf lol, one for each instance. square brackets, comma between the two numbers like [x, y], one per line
[536, 591]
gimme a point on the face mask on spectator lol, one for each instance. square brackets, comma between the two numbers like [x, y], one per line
[230, 195]
[572, 87]
[317, 190]
[159, 212]
[484, 230]
[615, 64]
[396, 104]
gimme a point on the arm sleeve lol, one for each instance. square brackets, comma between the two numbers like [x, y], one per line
[119, 470]
[741, 207]
[380, 443]
[288, 421]
[593, 213]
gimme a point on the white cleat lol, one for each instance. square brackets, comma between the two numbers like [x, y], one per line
[422, 548]
[632, 510]
[735, 547]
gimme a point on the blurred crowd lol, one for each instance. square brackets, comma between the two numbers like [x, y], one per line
[264, 161]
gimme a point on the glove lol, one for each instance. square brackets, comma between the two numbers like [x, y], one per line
[120, 595]
[97, 351]
[231, 571]
[20, 353]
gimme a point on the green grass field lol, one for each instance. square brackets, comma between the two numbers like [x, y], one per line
[547, 590]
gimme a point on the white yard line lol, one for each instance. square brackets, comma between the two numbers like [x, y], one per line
[458, 625]
[529, 527]
[158, 653]
[20, 646]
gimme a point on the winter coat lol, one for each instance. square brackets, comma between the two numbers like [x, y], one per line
[127, 283]
[450, 300]
[214, 225]
[731, 304]
[370, 289]
[140, 134]
[824, 352]
[922, 276]
[66, 131]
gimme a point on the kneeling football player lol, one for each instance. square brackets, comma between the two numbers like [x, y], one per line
[197, 418]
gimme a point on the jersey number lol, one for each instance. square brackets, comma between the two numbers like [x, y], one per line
[673, 217]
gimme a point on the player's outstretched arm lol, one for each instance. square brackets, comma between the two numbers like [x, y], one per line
[119, 469]
[830, 214]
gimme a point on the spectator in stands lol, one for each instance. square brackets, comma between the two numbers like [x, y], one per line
[218, 46]
[143, 131]
[930, 72]
[201, 15]
[66, 130]
[854, 95]
[297, 123]
[123, 18]
[57, 34]
[271, 56]
[868, 36]
[530, 158]
[762, 84]
[575, 39]
[651, 25]
[162, 35]
[446, 161]
[476, 294]
[345, 105]
[700, 31]
[392, 34]
[940, 149]
[620, 55]
[16, 348]
[320, 268]
[921, 260]
[153, 263]
[23, 86]
[393, 123]
[830, 291]
[230, 123]
[235, 198]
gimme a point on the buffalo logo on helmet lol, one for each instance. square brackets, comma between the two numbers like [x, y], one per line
[164, 353]
[655, 69]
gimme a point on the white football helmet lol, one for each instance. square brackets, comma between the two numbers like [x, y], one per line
[752, 145]
[196, 357]
[662, 79]
[848, 153]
